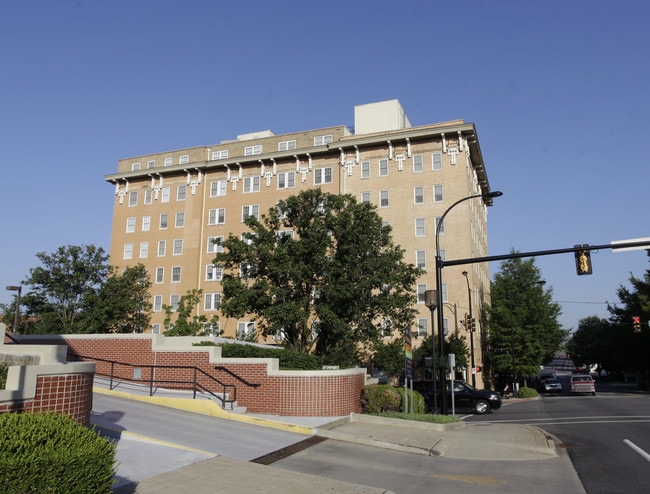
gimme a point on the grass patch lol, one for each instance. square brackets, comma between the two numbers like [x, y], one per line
[420, 417]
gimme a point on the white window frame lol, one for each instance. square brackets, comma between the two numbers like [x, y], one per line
[133, 199]
[418, 163]
[217, 216]
[253, 150]
[179, 219]
[421, 259]
[323, 140]
[218, 188]
[164, 221]
[212, 301]
[287, 145]
[423, 326]
[436, 161]
[365, 169]
[168, 162]
[251, 184]
[181, 193]
[157, 303]
[146, 223]
[130, 224]
[420, 227]
[160, 275]
[323, 175]
[245, 329]
[384, 199]
[220, 155]
[438, 193]
[144, 250]
[383, 167]
[214, 248]
[183, 159]
[250, 210]
[176, 274]
[148, 196]
[174, 300]
[418, 194]
[436, 220]
[178, 247]
[135, 167]
[287, 180]
[365, 197]
[162, 248]
[128, 251]
[213, 272]
[166, 191]
[421, 288]
[151, 164]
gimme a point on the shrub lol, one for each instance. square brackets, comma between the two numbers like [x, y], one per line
[380, 398]
[4, 369]
[47, 452]
[527, 393]
[289, 359]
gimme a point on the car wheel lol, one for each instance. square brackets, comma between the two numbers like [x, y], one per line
[593, 394]
[481, 407]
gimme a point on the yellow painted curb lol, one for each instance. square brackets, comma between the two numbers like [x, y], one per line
[208, 407]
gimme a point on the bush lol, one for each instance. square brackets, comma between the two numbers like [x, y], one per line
[380, 398]
[4, 369]
[289, 359]
[421, 417]
[527, 393]
[47, 452]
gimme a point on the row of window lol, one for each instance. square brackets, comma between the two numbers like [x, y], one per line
[177, 249]
[418, 196]
[224, 154]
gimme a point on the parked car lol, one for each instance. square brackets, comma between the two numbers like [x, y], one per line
[582, 383]
[551, 385]
[480, 401]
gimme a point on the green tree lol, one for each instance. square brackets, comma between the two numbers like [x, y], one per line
[590, 343]
[322, 271]
[522, 321]
[120, 305]
[59, 286]
[179, 320]
[389, 357]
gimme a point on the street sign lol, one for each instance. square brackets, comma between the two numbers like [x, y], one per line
[628, 241]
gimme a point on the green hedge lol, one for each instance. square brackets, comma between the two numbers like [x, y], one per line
[527, 393]
[380, 398]
[289, 359]
[51, 453]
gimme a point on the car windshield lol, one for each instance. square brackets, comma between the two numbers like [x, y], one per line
[552, 381]
[459, 385]
[582, 378]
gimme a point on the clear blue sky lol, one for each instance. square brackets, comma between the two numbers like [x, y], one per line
[557, 90]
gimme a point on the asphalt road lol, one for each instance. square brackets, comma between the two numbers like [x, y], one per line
[606, 436]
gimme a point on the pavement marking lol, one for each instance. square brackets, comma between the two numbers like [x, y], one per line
[474, 479]
[637, 449]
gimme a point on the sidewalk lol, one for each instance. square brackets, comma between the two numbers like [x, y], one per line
[477, 442]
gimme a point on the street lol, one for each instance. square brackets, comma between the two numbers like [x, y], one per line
[607, 436]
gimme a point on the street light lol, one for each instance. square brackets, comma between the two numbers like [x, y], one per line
[470, 330]
[515, 389]
[439, 266]
[18, 289]
[431, 301]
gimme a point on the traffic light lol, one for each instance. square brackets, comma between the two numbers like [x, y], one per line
[636, 321]
[478, 369]
[466, 322]
[472, 324]
[583, 260]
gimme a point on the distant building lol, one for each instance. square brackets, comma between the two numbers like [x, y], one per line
[169, 206]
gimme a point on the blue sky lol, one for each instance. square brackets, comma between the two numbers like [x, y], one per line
[557, 90]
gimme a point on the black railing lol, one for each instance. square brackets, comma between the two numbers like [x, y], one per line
[228, 391]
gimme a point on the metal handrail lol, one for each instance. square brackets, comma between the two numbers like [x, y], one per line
[229, 390]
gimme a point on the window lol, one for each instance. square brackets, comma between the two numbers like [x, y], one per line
[286, 145]
[436, 161]
[250, 210]
[148, 196]
[155, 328]
[181, 193]
[151, 164]
[165, 194]
[218, 188]
[437, 193]
[286, 180]
[386, 328]
[322, 140]
[163, 221]
[212, 301]
[422, 287]
[421, 259]
[178, 247]
[251, 184]
[383, 167]
[213, 272]
[214, 244]
[128, 251]
[383, 198]
[251, 150]
[168, 162]
[220, 155]
[160, 275]
[323, 175]
[184, 159]
[245, 330]
[133, 199]
[144, 249]
[176, 274]
[445, 297]
[419, 227]
[180, 220]
[135, 167]
[146, 223]
[418, 195]
[130, 224]
[173, 301]
[162, 247]
[423, 327]
[211, 328]
[247, 271]
[440, 227]
[288, 234]
[365, 197]
[418, 163]
[157, 303]
[217, 216]
[365, 169]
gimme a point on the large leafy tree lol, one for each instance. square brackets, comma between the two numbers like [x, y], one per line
[322, 271]
[59, 285]
[182, 321]
[522, 320]
[591, 343]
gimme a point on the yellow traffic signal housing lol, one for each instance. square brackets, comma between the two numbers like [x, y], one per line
[583, 260]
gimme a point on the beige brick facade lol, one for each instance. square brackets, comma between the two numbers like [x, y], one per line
[168, 205]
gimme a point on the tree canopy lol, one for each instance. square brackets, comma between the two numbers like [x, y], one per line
[522, 320]
[321, 270]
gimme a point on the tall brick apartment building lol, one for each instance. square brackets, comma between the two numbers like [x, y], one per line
[169, 206]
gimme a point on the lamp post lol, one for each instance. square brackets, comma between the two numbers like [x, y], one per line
[515, 389]
[18, 289]
[431, 301]
[470, 330]
[439, 266]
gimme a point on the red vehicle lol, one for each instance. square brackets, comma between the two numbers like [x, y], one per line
[582, 383]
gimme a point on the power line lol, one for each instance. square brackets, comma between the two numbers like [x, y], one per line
[580, 302]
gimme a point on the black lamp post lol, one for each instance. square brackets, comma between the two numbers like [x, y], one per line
[439, 266]
[470, 330]
[18, 289]
[431, 301]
